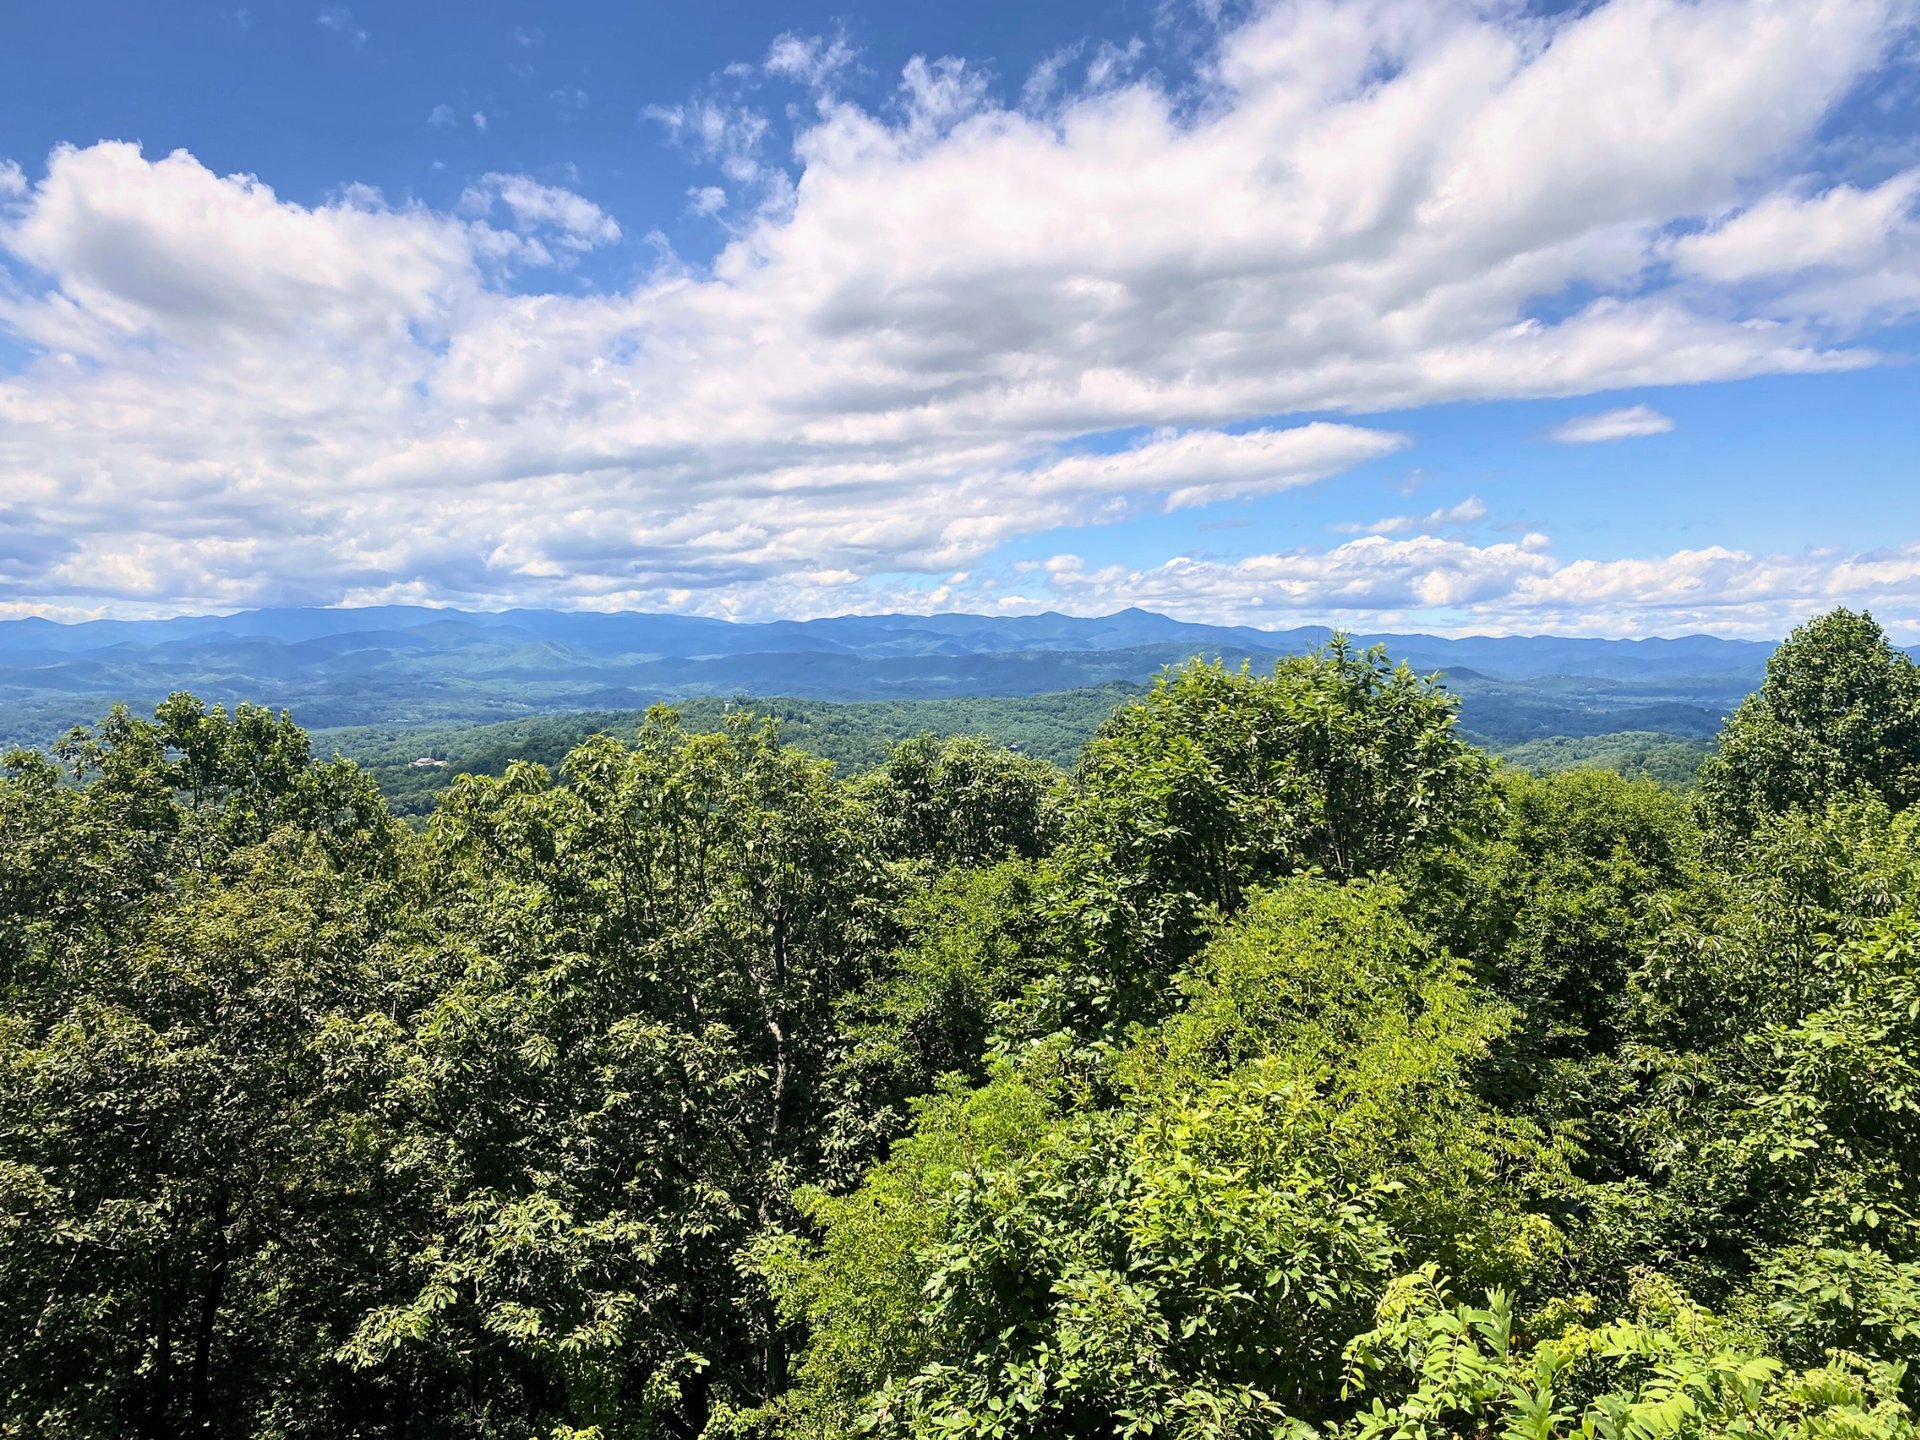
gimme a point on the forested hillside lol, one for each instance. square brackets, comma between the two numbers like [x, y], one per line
[415, 765]
[855, 735]
[1287, 1068]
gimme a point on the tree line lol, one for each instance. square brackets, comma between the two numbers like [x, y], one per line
[856, 735]
[1289, 1068]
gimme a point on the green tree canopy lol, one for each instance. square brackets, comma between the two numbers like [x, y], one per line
[692, 1090]
[1838, 714]
[1218, 781]
[963, 801]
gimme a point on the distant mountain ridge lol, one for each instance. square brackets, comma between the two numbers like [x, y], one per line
[640, 633]
[410, 664]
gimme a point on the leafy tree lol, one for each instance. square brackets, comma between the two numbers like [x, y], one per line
[1337, 987]
[857, 1294]
[1761, 1110]
[1839, 714]
[1219, 781]
[1564, 909]
[1197, 1253]
[1563, 902]
[615, 1080]
[1672, 1371]
[1813, 1175]
[963, 801]
[974, 941]
[1194, 1268]
[1756, 947]
[187, 1225]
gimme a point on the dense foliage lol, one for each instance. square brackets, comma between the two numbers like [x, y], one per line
[1637, 754]
[415, 765]
[856, 735]
[1289, 1068]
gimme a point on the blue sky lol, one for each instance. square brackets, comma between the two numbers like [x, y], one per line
[1409, 313]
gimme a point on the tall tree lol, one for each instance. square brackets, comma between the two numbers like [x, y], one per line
[963, 801]
[615, 1079]
[187, 1227]
[1219, 780]
[1839, 713]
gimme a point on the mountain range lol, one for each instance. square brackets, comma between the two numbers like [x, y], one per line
[402, 665]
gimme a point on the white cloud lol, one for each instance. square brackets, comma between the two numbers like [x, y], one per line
[1369, 575]
[1788, 232]
[339, 19]
[13, 180]
[809, 59]
[165, 252]
[1045, 79]
[929, 322]
[1628, 423]
[1204, 466]
[1467, 512]
[727, 135]
[1112, 62]
[441, 117]
[1724, 589]
[1844, 257]
[1451, 586]
[581, 224]
[480, 120]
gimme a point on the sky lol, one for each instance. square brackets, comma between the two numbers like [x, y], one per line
[1592, 318]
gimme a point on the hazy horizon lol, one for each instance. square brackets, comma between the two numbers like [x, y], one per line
[1291, 626]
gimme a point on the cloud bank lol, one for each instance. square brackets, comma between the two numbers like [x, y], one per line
[952, 322]
[1509, 587]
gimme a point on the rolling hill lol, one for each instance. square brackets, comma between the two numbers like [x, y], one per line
[403, 666]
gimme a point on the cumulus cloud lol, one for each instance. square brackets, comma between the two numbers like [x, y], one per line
[1788, 232]
[1375, 574]
[931, 320]
[1627, 423]
[147, 253]
[1724, 589]
[1846, 256]
[1520, 587]
[580, 224]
